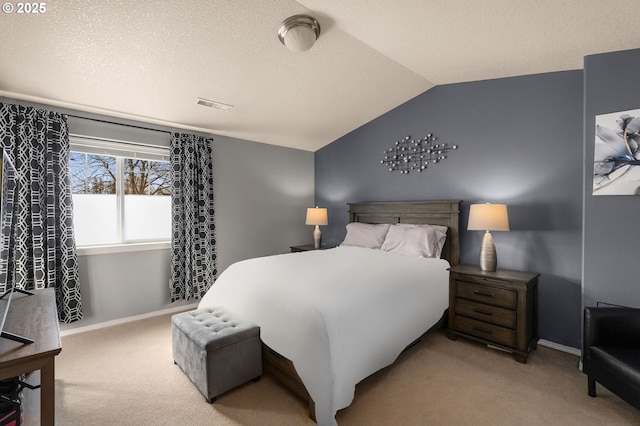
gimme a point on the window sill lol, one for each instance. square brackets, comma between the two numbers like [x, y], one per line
[123, 248]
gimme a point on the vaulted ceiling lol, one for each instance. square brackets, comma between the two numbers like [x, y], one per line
[150, 60]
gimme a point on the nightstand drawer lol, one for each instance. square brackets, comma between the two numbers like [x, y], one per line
[486, 294]
[486, 331]
[483, 312]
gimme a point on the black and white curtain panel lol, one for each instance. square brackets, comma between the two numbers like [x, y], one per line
[37, 141]
[193, 243]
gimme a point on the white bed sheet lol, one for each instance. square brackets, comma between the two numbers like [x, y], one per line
[339, 315]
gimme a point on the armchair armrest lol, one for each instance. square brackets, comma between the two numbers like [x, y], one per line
[611, 327]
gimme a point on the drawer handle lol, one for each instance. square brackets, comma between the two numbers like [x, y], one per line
[482, 330]
[480, 311]
[482, 293]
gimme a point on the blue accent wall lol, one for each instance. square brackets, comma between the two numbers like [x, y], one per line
[521, 143]
[611, 223]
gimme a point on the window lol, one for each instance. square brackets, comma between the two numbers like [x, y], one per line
[119, 195]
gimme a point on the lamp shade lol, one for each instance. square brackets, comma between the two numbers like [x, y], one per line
[488, 217]
[317, 216]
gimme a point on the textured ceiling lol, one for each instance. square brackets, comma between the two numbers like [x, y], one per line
[150, 60]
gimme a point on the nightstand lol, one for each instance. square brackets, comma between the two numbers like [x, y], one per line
[497, 308]
[304, 247]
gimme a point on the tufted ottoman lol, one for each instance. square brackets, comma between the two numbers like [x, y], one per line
[217, 350]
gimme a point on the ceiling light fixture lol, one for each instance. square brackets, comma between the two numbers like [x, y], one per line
[299, 32]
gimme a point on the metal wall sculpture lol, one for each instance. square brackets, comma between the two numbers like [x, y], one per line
[410, 154]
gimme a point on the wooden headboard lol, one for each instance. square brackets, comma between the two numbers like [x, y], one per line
[445, 212]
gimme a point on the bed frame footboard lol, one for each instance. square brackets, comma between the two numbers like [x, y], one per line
[283, 371]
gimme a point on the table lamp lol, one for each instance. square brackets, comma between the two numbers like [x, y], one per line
[317, 216]
[488, 217]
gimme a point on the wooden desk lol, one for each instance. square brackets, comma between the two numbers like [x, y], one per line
[34, 317]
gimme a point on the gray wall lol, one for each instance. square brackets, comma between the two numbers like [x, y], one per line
[120, 285]
[520, 143]
[262, 192]
[611, 232]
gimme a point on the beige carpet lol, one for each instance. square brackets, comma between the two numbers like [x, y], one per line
[125, 375]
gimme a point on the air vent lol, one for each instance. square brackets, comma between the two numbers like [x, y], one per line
[214, 104]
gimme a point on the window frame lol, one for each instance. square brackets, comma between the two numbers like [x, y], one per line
[120, 150]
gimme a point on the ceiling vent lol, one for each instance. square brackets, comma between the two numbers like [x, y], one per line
[214, 104]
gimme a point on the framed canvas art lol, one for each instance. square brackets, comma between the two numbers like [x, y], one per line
[616, 166]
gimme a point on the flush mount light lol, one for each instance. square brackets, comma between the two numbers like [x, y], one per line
[299, 32]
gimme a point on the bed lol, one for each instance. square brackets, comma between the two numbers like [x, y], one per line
[326, 324]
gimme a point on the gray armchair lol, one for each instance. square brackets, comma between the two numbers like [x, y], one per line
[611, 351]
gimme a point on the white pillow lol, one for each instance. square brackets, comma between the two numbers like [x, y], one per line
[441, 232]
[416, 240]
[365, 235]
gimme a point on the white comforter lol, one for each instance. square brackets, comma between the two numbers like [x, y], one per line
[339, 315]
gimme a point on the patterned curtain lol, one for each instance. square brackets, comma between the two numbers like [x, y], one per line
[37, 141]
[193, 243]
[7, 221]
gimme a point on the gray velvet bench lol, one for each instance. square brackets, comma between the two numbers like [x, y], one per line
[217, 350]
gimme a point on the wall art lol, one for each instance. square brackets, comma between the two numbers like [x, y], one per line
[616, 168]
[415, 154]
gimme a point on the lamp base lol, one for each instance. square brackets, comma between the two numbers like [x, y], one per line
[317, 237]
[488, 257]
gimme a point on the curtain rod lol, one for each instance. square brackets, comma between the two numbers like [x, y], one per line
[119, 124]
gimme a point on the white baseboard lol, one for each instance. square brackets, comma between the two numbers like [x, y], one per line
[559, 347]
[127, 319]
